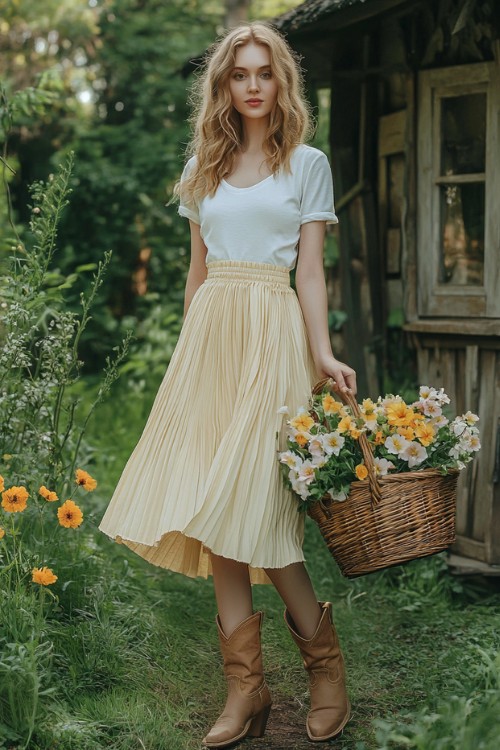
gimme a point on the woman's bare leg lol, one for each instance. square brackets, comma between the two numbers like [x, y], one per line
[233, 592]
[295, 588]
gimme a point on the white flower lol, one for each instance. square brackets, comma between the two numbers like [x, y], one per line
[396, 444]
[306, 472]
[470, 442]
[338, 496]
[430, 408]
[316, 446]
[441, 397]
[291, 459]
[414, 453]
[332, 443]
[301, 488]
[283, 410]
[439, 421]
[458, 427]
[425, 392]
[382, 466]
[319, 461]
[470, 418]
[454, 452]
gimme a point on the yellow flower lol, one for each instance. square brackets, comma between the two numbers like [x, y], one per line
[47, 494]
[406, 432]
[397, 413]
[425, 433]
[331, 405]
[379, 438]
[44, 575]
[361, 471]
[69, 515]
[85, 480]
[355, 433]
[345, 424]
[2, 485]
[2, 532]
[302, 422]
[300, 439]
[14, 500]
[368, 405]
[413, 418]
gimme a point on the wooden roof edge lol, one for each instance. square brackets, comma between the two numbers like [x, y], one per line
[325, 15]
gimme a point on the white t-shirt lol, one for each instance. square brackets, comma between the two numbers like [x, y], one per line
[262, 223]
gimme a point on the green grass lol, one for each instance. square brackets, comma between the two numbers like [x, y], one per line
[133, 660]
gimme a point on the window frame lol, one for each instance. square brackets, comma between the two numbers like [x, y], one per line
[437, 299]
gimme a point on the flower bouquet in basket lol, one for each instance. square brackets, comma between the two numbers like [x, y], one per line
[379, 478]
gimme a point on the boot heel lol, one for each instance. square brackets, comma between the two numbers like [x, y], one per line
[259, 722]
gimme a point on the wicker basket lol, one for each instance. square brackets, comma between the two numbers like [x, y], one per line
[389, 520]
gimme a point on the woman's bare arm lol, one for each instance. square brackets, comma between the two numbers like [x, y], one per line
[311, 291]
[197, 267]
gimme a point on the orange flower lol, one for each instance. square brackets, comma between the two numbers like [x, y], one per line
[69, 514]
[2, 532]
[14, 500]
[84, 479]
[47, 494]
[345, 424]
[331, 405]
[406, 432]
[397, 413]
[361, 471]
[355, 433]
[300, 439]
[379, 438]
[302, 422]
[2, 485]
[44, 575]
[425, 433]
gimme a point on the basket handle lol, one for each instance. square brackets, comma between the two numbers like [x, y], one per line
[366, 449]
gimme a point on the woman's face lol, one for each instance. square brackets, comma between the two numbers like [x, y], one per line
[251, 83]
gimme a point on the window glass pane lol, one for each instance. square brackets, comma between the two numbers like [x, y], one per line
[462, 251]
[463, 124]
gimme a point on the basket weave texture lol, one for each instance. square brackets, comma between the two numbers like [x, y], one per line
[386, 520]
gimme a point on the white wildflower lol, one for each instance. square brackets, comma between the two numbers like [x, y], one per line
[396, 444]
[414, 453]
[382, 466]
[332, 443]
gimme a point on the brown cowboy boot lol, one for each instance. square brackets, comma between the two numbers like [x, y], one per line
[248, 701]
[323, 660]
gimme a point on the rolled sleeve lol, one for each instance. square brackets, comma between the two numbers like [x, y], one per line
[317, 203]
[188, 209]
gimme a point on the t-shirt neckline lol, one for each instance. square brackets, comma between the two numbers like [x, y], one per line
[249, 187]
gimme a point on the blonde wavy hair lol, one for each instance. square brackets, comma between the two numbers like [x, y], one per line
[216, 124]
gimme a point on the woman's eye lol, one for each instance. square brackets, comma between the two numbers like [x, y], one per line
[268, 74]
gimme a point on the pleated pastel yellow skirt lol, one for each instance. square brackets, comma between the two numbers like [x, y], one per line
[204, 475]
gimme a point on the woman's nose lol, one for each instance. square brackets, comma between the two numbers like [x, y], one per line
[253, 83]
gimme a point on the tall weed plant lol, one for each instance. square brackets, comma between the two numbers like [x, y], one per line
[42, 446]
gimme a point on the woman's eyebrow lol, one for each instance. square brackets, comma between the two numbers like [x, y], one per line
[239, 67]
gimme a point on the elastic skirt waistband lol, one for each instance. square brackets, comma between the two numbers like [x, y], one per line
[246, 270]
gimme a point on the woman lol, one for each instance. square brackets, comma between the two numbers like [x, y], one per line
[257, 199]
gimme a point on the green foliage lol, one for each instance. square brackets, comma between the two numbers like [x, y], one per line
[41, 442]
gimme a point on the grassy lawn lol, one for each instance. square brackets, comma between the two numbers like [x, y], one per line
[134, 660]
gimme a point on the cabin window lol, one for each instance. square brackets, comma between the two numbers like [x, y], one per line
[458, 148]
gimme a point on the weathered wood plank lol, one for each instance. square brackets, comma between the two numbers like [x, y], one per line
[493, 533]
[481, 487]
[470, 548]
[466, 327]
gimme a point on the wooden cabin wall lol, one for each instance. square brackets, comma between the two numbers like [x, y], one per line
[353, 139]
[468, 368]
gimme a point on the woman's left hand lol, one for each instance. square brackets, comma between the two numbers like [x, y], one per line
[343, 375]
